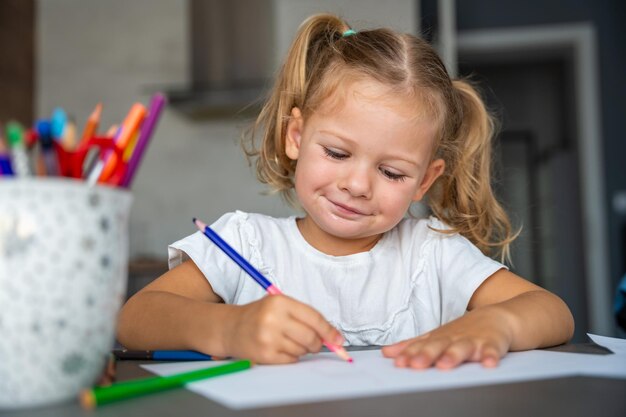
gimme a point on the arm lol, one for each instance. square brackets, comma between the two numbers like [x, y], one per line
[180, 310]
[536, 317]
[505, 313]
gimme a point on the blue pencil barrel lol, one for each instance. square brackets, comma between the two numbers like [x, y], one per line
[239, 260]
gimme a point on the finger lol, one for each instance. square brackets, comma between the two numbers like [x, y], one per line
[409, 349]
[426, 353]
[276, 358]
[292, 348]
[303, 335]
[312, 318]
[392, 351]
[490, 356]
[458, 352]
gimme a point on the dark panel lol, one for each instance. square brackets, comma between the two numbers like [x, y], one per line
[17, 20]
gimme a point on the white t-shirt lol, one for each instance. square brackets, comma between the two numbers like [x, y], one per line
[414, 280]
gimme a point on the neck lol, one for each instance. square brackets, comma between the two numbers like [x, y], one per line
[333, 245]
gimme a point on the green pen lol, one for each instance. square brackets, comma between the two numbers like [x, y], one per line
[128, 389]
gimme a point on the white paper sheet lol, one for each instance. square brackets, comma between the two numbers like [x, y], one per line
[613, 344]
[324, 377]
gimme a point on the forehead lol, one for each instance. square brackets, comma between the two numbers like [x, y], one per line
[367, 95]
[374, 115]
[352, 88]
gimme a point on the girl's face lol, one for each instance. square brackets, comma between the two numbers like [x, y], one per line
[362, 160]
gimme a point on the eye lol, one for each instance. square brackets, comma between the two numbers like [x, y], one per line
[392, 175]
[334, 154]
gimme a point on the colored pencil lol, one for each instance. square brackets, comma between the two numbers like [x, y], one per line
[69, 135]
[162, 355]
[92, 123]
[94, 173]
[154, 111]
[128, 389]
[256, 275]
[131, 124]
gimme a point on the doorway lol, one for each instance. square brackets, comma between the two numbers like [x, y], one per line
[536, 171]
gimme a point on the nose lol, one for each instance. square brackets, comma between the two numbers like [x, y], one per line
[356, 181]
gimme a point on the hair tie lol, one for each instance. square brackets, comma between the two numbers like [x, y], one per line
[348, 32]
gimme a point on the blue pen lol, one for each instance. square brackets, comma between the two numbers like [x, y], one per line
[162, 355]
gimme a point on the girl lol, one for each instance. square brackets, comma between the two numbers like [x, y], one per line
[359, 125]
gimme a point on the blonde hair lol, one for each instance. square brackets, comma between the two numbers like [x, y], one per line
[320, 58]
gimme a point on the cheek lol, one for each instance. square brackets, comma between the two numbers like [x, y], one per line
[398, 197]
[302, 178]
[312, 169]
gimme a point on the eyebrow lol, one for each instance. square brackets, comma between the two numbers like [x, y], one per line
[352, 141]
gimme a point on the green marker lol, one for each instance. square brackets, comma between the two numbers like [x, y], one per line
[137, 387]
[15, 136]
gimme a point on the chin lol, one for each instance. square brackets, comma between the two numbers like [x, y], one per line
[342, 229]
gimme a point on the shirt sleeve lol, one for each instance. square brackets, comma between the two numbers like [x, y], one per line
[222, 273]
[462, 268]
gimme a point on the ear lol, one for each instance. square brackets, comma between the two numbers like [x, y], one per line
[294, 134]
[434, 170]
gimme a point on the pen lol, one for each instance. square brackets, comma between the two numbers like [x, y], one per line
[162, 355]
[91, 398]
[256, 275]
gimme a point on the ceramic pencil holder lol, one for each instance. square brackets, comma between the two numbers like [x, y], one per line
[63, 276]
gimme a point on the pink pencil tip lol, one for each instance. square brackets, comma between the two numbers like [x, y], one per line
[199, 224]
[350, 360]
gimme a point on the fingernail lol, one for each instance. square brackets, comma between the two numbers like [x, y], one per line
[490, 362]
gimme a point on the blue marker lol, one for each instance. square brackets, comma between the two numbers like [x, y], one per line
[15, 136]
[5, 165]
[44, 129]
[57, 123]
[163, 355]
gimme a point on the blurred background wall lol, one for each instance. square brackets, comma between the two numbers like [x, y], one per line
[215, 57]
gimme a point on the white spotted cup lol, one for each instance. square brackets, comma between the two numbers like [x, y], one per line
[63, 271]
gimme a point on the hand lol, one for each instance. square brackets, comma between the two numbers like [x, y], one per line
[277, 329]
[482, 335]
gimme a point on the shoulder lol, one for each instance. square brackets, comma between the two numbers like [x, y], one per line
[429, 229]
[241, 219]
[253, 229]
[433, 238]
[422, 229]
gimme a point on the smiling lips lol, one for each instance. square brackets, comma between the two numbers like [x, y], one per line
[347, 209]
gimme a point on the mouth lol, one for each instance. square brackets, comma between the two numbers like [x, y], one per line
[342, 208]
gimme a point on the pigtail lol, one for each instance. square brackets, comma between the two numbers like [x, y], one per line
[310, 48]
[463, 197]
